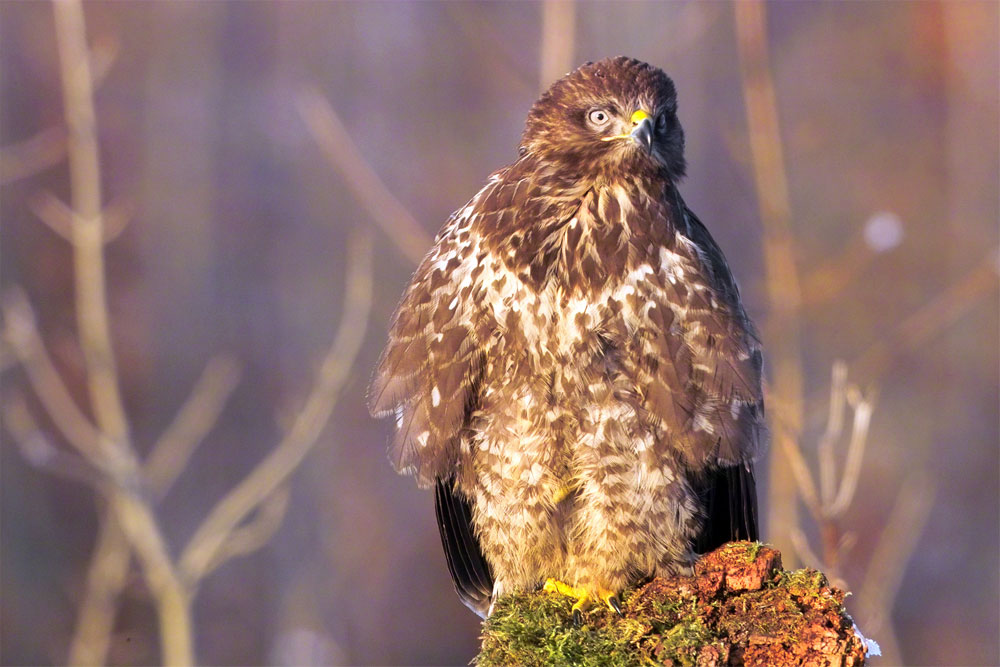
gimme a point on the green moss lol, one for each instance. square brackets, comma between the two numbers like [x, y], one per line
[744, 552]
[537, 629]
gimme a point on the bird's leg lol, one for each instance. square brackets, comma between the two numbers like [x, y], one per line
[584, 598]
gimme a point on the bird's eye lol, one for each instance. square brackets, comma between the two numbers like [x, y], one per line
[661, 122]
[599, 117]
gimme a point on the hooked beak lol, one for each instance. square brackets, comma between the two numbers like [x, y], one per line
[642, 130]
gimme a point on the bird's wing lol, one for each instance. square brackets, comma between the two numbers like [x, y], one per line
[702, 360]
[726, 362]
[726, 356]
[427, 374]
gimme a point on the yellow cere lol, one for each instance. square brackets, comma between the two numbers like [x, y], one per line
[639, 116]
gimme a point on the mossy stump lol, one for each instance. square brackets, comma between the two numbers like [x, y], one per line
[739, 608]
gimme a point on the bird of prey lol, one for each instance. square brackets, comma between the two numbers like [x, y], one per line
[571, 366]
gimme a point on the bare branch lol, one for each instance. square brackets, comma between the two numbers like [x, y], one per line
[335, 141]
[47, 148]
[558, 32]
[200, 412]
[106, 578]
[802, 478]
[88, 233]
[8, 359]
[51, 210]
[834, 428]
[257, 531]
[811, 559]
[211, 536]
[33, 155]
[21, 333]
[783, 288]
[132, 511]
[36, 448]
[863, 408]
[117, 216]
[58, 217]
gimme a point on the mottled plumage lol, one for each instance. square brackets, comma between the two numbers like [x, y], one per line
[571, 364]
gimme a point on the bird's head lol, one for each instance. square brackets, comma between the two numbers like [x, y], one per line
[611, 118]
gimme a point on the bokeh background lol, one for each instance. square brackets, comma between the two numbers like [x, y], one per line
[219, 151]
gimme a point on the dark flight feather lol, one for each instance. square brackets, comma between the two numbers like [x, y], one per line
[730, 500]
[466, 563]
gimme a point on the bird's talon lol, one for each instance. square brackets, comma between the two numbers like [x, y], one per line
[615, 604]
[584, 598]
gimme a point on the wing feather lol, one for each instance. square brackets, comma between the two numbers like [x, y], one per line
[694, 353]
[426, 374]
[468, 567]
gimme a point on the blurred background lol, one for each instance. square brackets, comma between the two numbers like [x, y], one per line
[263, 164]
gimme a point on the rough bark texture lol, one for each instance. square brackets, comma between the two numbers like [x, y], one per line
[740, 608]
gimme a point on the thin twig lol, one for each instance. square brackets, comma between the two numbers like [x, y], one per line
[784, 344]
[255, 532]
[21, 333]
[863, 408]
[196, 417]
[801, 477]
[35, 447]
[58, 217]
[47, 148]
[271, 473]
[834, 428]
[33, 155]
[558, 32]
[333, 138]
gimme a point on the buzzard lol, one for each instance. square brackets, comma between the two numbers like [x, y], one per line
[571, 366]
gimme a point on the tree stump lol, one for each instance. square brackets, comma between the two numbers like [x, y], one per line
[739, 608]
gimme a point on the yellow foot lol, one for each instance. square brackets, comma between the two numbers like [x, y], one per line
[584, 598]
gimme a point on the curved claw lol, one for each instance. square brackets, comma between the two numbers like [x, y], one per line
[577, 618]
[616, 604]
